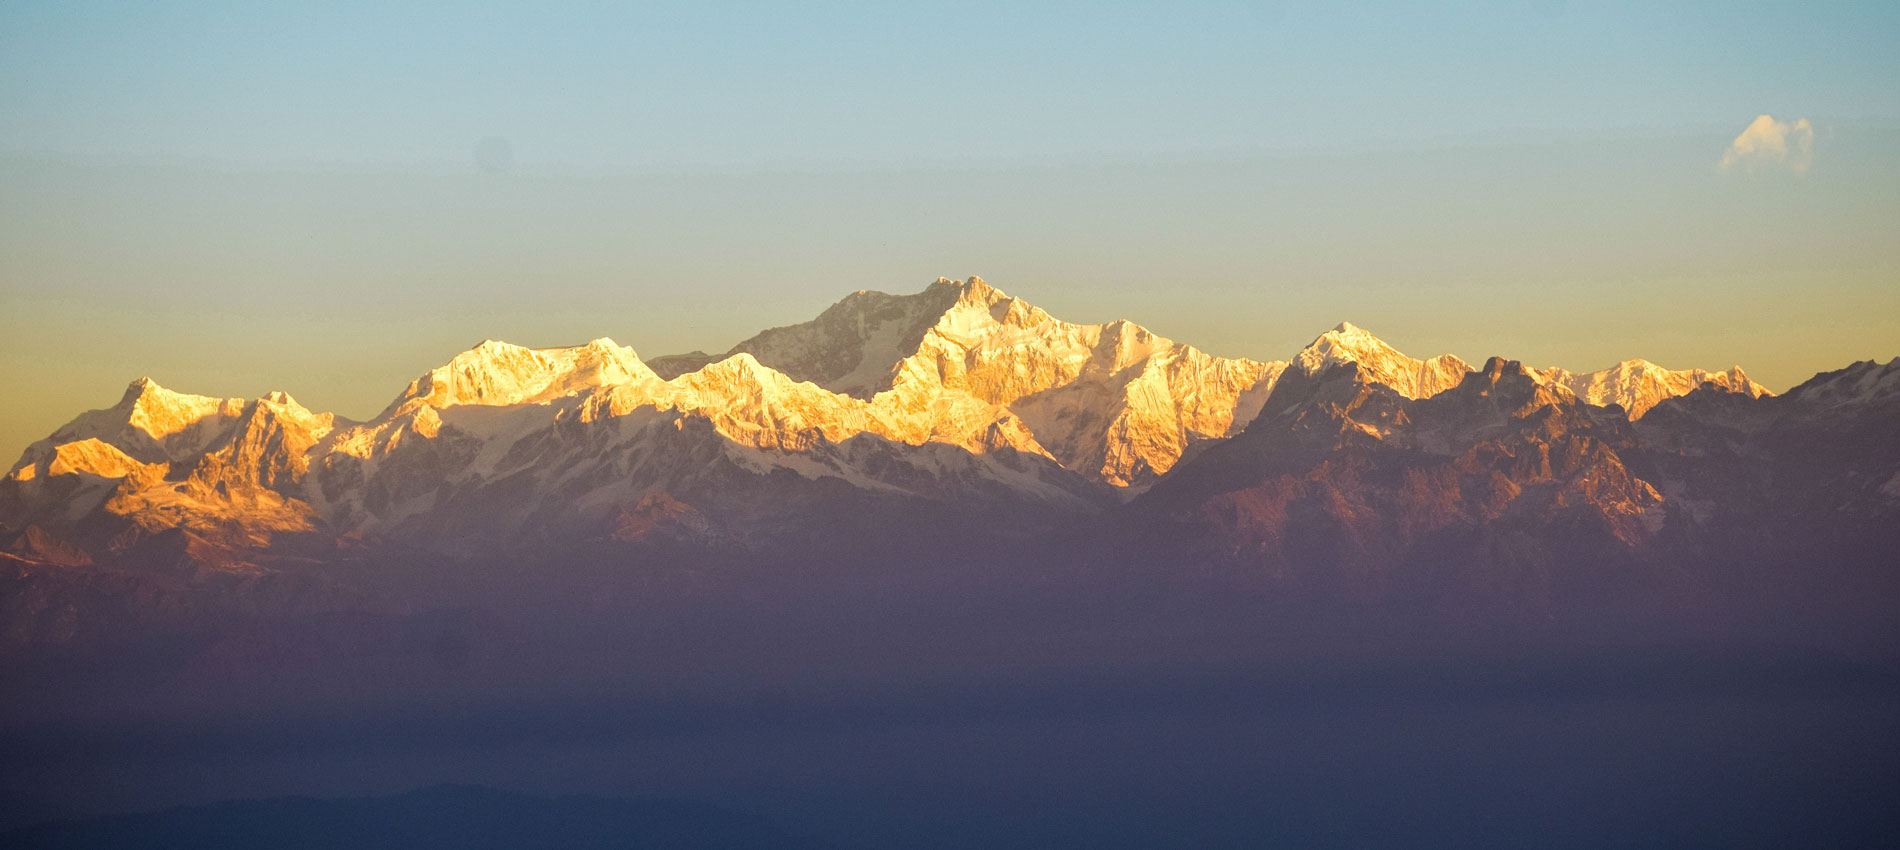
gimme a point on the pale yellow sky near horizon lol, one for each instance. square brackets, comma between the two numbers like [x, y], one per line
[340, 287]
[329, 199]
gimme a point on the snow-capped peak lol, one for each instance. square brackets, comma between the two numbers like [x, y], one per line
[153, 411]
[1638, 384]
[959, 388]
[500, 373]
[975, 291]
[1380, 362]
[1866, 381]
[1113, 401]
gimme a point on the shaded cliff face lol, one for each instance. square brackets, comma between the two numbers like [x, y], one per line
[1812, 474]
[1500, 491]
[1509, 496]
[1113, 402]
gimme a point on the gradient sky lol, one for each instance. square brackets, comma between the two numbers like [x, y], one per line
[235, 198]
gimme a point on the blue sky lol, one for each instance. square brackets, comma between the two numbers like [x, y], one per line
[235, 198]
[638, 87]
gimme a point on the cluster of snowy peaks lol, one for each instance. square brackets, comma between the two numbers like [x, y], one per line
[956, 394]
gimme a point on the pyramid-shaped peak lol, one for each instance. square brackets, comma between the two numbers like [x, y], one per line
[1380, 362]
[145, 393]
[1348, 339]
[1352, 337]
[739, 375]
[160, 412]
[739, 363]
[139, 388]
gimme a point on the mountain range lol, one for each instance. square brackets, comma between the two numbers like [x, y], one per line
[967, 414]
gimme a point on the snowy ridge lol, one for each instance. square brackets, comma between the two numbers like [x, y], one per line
[163, 459]
[1113, 402]
[1639, 385]
[1636, 385]
[956, 395]
[498, 373]
[1863, 383]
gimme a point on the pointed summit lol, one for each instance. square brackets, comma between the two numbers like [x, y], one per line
[150, 425]
[137, 390]
[1114, 402]
[1380, 362]
[159, 413]
[854, 345]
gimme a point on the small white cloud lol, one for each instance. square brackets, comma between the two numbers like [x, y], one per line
[1768, 143]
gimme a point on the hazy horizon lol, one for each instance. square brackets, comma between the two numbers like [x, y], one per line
[235, 201]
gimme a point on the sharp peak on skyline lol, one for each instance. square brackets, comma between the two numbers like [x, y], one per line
[1345, 340]
[146, 389]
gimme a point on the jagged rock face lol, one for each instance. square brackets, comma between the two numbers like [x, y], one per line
[160, 459]
[523, 461]
[508, 445]
[1638, 385]
[35, 544]
[854, 346]
[717, 439]
[1816, 466]
[1635, 385]
[1866, 386]
[1381, 363]
[1113, 402]
[956, 399]
[1509, 485]
[1344, 485]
